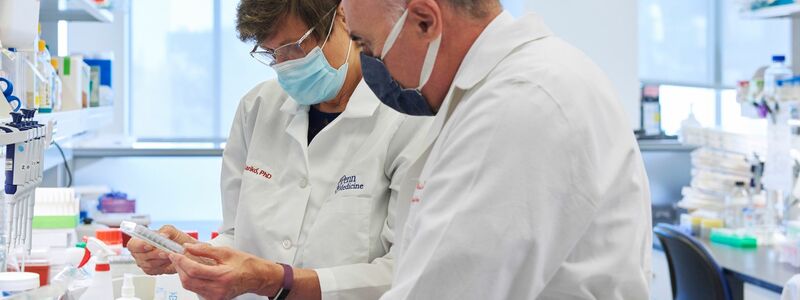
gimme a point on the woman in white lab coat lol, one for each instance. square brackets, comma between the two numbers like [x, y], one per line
[311, 169]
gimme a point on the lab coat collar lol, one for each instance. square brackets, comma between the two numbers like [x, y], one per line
[498, 40]
[363, 104]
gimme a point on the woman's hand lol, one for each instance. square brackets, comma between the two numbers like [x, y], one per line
[235, 273]
[152, 260]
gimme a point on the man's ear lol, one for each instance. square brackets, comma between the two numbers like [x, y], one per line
[340, 16]
[340, 13]
[426, 18]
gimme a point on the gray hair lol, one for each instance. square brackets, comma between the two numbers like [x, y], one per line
[478, 9]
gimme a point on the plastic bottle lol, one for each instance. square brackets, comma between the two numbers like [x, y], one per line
[777, 71]
[101, 287]
[735, 204]
[128, 289]
[689, 129]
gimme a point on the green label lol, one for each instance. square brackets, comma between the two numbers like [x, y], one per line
[67, 66]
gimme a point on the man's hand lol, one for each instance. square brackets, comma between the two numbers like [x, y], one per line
[152, 260]
[235, 273]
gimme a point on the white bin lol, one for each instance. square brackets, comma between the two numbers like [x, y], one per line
[19, 23]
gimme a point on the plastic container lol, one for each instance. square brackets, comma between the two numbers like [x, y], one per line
[43, 269]
[691, 224]
[111, 237]
[128, 289]
[19, 23]
[116, 203]
[689, 129]
[151, 237]
[75, 78]
[707, 225]
[12, 283]
[169, 287]
[735, 204]
[731, 238]
[778, 71]
[102, 286]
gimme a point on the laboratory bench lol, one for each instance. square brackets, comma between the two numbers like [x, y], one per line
[757, 268]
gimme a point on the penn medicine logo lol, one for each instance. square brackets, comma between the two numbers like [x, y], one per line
[348, 183]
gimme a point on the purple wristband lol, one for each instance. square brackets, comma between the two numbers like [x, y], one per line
[288, 282]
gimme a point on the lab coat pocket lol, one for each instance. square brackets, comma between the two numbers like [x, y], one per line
[340, 235]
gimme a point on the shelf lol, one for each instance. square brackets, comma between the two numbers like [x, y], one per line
[68, 124]
[146, 152]
[146, 149]
[73, 11]
[779, 11]
[664, 145]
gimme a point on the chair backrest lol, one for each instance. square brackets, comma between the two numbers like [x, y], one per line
[694, 273]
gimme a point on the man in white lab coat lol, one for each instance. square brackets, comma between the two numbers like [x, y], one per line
[534, 186]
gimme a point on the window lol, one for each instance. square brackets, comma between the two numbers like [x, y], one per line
[674, 41]
[750, 44]
[698, 50]
[683, 100]
[189, 69]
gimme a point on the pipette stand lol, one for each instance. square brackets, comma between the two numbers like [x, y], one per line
[25, 142]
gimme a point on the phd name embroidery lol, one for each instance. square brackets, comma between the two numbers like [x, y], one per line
[348, 183]
[258, 171]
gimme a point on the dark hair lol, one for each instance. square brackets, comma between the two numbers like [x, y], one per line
[256, 20]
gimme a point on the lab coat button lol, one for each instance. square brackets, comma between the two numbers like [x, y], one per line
[287, 244]
[303, 183]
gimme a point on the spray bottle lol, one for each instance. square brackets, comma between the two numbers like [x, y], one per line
[101, 287]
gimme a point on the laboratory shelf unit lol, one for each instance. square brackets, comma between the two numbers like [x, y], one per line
[69, 124]
[73, 11]
[779, 11]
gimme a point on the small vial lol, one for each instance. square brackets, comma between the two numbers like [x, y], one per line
[151, 237]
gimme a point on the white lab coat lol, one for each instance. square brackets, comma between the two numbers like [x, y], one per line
[534, 187]
[325, 205]
[791, 290]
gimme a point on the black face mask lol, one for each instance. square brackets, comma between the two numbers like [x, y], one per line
[405, 101]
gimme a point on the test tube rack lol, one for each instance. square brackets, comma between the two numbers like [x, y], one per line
[25, 142]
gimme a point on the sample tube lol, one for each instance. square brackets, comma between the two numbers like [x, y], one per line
[151, 237]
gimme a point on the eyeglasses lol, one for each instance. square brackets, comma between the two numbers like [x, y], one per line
[289, 51]
[283, 53]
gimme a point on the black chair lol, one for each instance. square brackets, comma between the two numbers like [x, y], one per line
[694, 273]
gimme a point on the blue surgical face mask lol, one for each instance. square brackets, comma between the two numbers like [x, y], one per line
[312, 80]
[389, 91]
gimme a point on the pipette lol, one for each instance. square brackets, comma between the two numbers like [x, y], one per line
[151, 237]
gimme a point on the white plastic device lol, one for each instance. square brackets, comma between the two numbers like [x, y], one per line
[151, 237]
